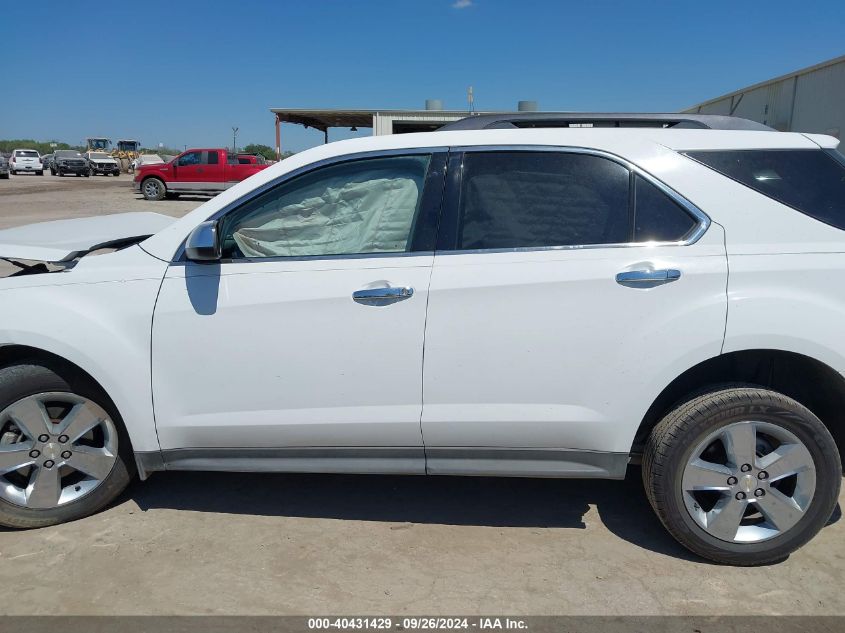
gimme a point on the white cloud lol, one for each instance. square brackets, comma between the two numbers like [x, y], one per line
[461, 4]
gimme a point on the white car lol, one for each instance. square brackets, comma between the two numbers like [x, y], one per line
[558, 302]
[26, 160]
[146, 159]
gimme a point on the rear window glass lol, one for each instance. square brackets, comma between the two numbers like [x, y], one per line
[658, 218]
[27, 153]
[810, 181]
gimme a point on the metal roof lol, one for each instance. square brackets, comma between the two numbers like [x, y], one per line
[768, 82]
[322, 119]
[603, 119]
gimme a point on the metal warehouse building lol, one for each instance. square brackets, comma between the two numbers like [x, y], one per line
[808, 100]
[381, 121]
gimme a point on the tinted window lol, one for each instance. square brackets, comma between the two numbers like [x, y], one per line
[27, 153]
[366, 206]
[535, 199]
[658, 218]
[212, 158]
[810, 181]
[191, 158]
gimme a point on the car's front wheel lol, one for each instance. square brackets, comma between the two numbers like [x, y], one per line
[153, 189]
[64, 453]
[742, 475]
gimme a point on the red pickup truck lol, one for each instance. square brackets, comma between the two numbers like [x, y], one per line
[195, 171]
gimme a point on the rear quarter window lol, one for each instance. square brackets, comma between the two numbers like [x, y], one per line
[809, 181]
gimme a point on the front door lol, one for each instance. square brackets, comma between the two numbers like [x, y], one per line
[567, 292]
[303, 349]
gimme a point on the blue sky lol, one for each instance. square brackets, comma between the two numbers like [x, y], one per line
[201, 67]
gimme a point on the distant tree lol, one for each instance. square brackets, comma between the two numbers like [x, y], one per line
[264, 150]
[42, 147]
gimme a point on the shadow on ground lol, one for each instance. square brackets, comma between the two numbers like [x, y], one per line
[477, 501]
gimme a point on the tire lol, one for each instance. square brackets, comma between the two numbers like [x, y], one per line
[40, 172]
[52, 172]
[153, 189]
[778, 513]
[30, 381]
[171, 196]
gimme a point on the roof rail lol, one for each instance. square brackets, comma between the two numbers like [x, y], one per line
[592, 119]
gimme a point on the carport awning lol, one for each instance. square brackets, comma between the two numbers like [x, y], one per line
[324, 119]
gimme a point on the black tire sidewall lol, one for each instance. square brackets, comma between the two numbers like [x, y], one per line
[25, 379]
[781, 412]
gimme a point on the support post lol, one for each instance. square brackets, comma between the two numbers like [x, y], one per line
[278, 139]
[325, 135]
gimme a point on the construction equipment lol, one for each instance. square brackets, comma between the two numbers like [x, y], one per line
[126, 151]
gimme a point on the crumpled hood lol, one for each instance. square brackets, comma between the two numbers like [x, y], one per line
[64, 240]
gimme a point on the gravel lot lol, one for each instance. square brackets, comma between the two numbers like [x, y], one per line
[194, 543]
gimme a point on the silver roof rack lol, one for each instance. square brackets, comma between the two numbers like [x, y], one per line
[602, 119]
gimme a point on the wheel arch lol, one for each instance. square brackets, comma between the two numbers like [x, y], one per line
[807, 380]
[14, 354]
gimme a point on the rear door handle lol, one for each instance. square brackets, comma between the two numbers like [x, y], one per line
[382, 296]
[647, 278]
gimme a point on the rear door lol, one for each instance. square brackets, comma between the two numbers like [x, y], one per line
[566, 290]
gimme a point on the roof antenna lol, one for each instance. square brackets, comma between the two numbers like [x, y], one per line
[471, 100]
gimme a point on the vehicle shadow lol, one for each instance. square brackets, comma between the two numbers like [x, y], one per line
[181, 198]
[478, 501]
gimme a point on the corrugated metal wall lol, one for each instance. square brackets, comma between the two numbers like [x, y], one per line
[812, 101]
[383, 123]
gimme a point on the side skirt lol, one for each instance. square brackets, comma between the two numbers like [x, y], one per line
[499, 462]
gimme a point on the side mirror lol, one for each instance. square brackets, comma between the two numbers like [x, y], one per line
[203, 244]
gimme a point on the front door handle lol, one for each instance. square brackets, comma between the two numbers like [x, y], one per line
[382, 296]
[647, 278]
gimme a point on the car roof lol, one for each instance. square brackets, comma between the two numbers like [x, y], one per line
[677, 139]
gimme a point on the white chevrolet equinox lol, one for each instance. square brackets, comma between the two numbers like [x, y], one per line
[522, 297]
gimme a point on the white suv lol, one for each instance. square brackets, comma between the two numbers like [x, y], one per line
[26, 160]
[519, 302]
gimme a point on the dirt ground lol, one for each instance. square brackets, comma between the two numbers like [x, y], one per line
[195, 543]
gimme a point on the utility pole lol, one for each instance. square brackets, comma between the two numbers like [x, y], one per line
[234, 140]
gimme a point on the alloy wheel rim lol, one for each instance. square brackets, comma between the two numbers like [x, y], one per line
[55, 447]
[151, 188]
[748, 482]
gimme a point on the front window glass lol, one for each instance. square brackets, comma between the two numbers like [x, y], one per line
[365, 206]
[191, 158]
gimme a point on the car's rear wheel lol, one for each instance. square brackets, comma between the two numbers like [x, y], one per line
[153, 189]
[64, 453]
[742, 475]
[40, 172]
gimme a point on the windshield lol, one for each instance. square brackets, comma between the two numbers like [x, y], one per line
[99, 155]
[66, 153]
